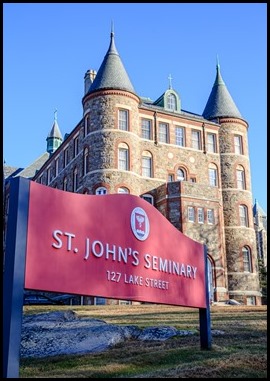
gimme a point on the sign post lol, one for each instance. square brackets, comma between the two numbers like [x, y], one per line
[204, 313]
[13, 277]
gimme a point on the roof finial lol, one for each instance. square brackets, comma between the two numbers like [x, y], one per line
[55, 115]
[170, 81]
[217, 61]
[112, 29]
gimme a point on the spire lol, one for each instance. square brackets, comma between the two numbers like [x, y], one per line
[54, 138]
[112, 74]
[220, 102]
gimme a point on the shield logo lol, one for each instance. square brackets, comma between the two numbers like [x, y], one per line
[139, 224]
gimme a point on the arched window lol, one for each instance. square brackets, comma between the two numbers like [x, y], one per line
[101, 190]
[171, 102]
[123, 190]
[86, 125]
[149, 198]
[180, 174]
[246, 259]
[213, 177]
[240, 177]
[75, 179]
[243, 215]
[123, 157]
[85, 161]
[147, 170]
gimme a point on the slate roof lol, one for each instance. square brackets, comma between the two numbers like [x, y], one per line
[112, 74]
[29, 171]
[220, 102]
[257, 209]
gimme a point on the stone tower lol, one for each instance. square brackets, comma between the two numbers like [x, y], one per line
[239, 231]
[112, 100]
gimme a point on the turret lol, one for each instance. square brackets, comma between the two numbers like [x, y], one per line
[54, 139]
[240, 237]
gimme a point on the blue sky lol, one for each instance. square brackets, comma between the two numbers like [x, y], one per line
[48, 47]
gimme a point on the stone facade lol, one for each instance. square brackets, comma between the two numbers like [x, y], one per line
[200, 181]
[224, 237]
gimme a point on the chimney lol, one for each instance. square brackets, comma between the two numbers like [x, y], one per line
[89, 77]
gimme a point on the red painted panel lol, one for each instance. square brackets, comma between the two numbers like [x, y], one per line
[115, 246]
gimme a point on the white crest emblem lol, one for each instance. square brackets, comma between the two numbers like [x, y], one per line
[140, 224]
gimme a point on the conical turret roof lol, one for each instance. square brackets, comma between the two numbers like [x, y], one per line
[220, 102]
[112, 74]
[55, 131]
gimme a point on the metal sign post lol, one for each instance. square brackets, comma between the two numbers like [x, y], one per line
[205, 319]
[13, 276]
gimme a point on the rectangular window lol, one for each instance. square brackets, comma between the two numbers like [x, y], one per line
[49, 173]
[238, 144]
[65, 157]
[146, 166]
[243, 215]
[123, 159]
[75, 180]
[170, 178]
[240, 179]
[196, 139]
[191, 214]
[76, 145]
[180, 136]
[57, 166]
[123, 120]
[210, 216]
[86, 125]
[200, 215]
[163, 132]
[146, 129]
[251, 301]
[212, 177]
[211, 143]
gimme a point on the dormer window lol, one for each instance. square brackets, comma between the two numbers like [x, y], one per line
[171, 102]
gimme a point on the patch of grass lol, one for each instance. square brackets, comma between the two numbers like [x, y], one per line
[240, 352]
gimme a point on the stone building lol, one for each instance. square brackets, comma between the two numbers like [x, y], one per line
[193, 168]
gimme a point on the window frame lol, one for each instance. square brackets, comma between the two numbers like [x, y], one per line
[200, 215]
[213, 176]
[240, 178]
[243, 216]
[123, 123]
[238, 144]
[123, 162]
[211, 145]
[210, 216]
[99, 191]
[76, 145]
[196, 143]
[180, 137]
[246, 257]
[163, 136]
[146, 129]
[191, 214]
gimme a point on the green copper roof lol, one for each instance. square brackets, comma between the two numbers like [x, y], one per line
[112, 74]
[220, 102]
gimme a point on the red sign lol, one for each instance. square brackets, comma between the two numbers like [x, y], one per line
[115, 246]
